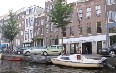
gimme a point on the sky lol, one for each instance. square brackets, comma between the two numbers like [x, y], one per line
[6, 5]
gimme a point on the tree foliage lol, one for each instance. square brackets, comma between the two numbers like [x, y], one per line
[10, 30]
[60, 15]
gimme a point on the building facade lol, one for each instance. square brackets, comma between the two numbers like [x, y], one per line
[20, 18]
[87, 30]
[38, 39]
[3, 20]
[111, 19]
[31, 12]
[52, 33]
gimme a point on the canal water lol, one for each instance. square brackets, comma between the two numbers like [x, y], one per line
[25, 67]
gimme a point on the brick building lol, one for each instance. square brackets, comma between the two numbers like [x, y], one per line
[87, 30]
[111, 19]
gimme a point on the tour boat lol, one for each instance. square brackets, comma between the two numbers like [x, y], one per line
[78, 60]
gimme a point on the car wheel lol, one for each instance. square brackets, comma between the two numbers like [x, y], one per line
[112, 53]
[45, 53]
[27, 53]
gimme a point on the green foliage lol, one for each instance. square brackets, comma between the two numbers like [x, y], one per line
[10, 30]
[60, 14]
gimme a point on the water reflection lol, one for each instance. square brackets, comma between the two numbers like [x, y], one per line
[24, 67]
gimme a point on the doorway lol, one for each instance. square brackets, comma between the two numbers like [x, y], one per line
[87, 48]
[99, 46]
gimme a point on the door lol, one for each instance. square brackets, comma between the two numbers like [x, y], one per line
[99, 46]
[37, 50]
[54, 50]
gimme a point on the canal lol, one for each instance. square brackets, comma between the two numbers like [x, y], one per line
[25, 67]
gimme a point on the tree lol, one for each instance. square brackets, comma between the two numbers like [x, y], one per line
[10, 30]
[60, 15]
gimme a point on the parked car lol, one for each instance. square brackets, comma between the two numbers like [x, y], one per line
[53, 50]
[108, 51]
[17, 50]
[33, 50]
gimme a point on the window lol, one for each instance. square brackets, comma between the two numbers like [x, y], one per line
[110, 2]
[27, 22]
[55, 29]
[18, 17]
[99, 29]
[98, 10]
[47, 18]
[59, 47]
[26, 35]
[35, 34]
[21, 32]
[35, 22]
[51, 7]
[20, 25]
[23, 22]
[89, 28]
[53, 47]
[42, 22]
[17, 42]
[72, 31]
[38, 22]
[47, 8]
[23, 16]
[71, 18]
[31, 33]
[51, 27]
[88, 13]
[111, 16]
[34, 8]
[31, 21]
[80, 12]
[80, 29]
[30, 10]
[27, 11]
[41, 30]
[47, 28]
[65, 58]
[112, 30]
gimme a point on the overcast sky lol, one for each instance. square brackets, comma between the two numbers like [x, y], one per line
[6, 5]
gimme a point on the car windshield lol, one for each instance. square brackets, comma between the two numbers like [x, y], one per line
[59, 47]
[53, 47]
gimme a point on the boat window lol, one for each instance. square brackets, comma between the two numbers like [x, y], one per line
[78, 57]
[65, 58]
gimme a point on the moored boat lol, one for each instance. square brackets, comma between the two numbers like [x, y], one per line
[14, 59]
[1, 56]
[78, 60]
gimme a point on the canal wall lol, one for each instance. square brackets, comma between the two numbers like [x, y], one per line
[47, 59]
[31, 58]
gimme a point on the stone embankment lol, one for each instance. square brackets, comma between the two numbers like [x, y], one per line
[47, 59]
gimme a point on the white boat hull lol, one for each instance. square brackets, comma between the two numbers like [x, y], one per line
[0, 56]
[76, 64]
